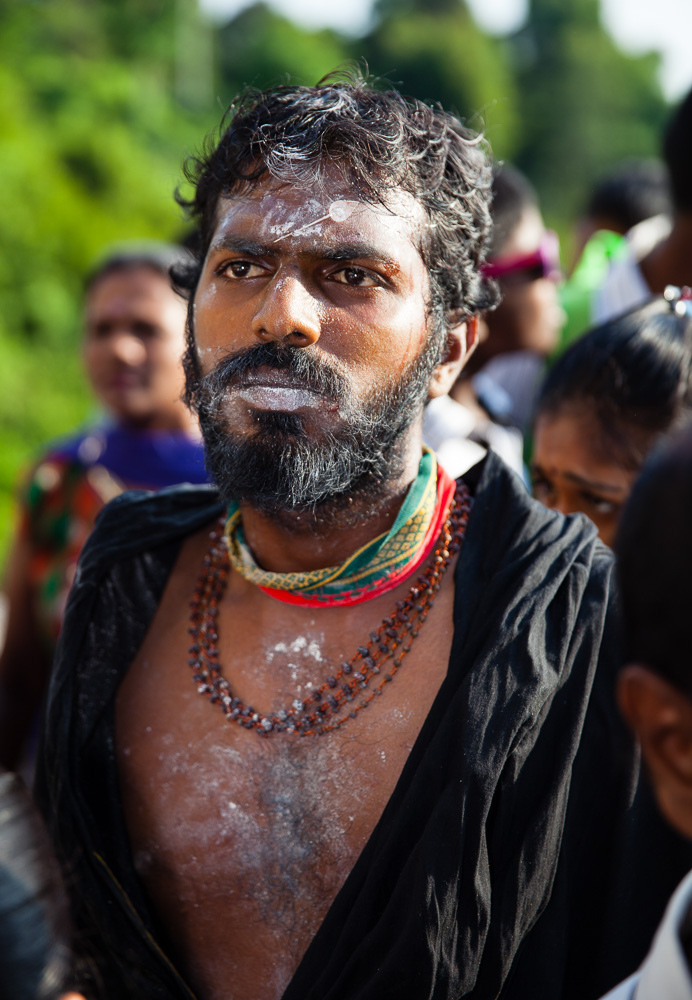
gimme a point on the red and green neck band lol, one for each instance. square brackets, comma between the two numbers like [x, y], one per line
[374, 569]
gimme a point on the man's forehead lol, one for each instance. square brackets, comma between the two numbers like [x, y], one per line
[288, 209]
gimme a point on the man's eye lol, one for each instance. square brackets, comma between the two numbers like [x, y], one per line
[357, 277]
[241, 269]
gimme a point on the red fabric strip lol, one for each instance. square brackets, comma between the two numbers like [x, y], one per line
[445, 493]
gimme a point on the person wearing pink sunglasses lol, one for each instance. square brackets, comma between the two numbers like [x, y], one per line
[490, 405]
[525, 261]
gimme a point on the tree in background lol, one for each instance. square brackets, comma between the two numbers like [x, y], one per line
[434, 50]
[431, 49]
[584, 104]
[260, 48]
[93, 130]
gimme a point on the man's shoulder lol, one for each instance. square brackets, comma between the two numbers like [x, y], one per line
[140, 521]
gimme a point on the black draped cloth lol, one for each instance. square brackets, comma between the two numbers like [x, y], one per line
[519, 856]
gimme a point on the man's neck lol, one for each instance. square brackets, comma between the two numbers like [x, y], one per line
[300, 541]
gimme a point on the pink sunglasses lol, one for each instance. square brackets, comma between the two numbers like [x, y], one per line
[543, 262]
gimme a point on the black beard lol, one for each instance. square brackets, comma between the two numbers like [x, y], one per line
[279, 468]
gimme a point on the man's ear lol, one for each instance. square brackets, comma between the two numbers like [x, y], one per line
[461, 343]
[661, 717]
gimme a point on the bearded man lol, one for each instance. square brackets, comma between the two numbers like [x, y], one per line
[343, 728]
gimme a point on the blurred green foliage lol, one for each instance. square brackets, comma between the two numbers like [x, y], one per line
[585, 105]
[435, 51]
[101, 100]
[94, 121]
[260, 48]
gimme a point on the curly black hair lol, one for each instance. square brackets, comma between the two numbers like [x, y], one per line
[634, 373]
[377, 141]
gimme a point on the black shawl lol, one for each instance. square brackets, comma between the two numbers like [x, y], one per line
[519, 855]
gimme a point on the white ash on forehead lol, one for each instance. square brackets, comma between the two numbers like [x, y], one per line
[339, 211]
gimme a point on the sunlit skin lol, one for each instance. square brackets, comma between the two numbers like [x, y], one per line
[356, 293]
[571, 472]
[134, 337]
[350, 292]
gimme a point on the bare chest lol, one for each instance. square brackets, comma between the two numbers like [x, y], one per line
[242, 841]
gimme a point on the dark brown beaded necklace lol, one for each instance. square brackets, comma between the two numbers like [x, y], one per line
[327, 707]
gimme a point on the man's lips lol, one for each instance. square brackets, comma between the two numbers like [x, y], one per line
[276, 397]
[270, 389]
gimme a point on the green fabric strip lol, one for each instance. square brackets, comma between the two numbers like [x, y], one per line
[379, 558]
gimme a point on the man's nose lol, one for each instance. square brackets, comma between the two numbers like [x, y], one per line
[127, 347]
[288, 312]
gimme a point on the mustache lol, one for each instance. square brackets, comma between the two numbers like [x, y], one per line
[304, 370]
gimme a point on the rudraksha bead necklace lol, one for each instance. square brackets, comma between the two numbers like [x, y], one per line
[337, 699]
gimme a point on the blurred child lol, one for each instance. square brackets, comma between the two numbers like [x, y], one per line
[605, 403]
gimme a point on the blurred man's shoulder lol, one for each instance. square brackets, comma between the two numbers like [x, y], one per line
[141, 520]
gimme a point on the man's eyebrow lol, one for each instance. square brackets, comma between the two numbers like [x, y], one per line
[358, 251]
[355, 250]
[239, 244]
